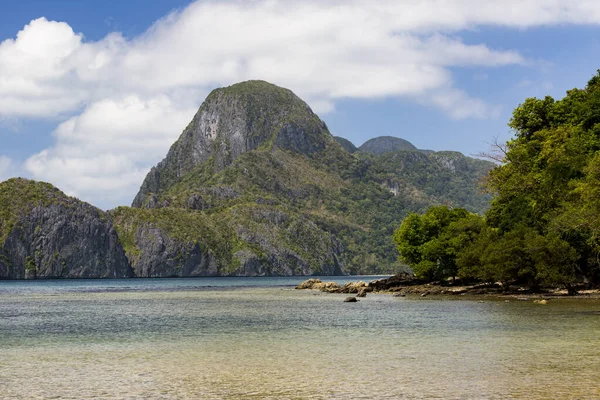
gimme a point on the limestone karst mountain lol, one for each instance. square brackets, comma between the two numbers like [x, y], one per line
[255, 185]
[281, 195]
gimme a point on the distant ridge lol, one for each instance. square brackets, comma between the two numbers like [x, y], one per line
[385, 144]
[346, 144]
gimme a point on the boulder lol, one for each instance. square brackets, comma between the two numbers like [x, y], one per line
[353, 287]
[350, 299]
[309, 283]
[317, 284]
[399, 280]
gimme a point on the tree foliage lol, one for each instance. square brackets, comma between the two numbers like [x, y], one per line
[543, 226]
[430, 242]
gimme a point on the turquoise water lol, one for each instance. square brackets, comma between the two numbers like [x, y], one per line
[255, 338]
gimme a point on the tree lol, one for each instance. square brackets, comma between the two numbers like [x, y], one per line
[429, 243]
[543, 225]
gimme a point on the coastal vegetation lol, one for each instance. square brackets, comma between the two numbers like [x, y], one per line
[543, 225]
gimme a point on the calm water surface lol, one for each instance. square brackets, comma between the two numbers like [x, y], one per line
[257, 338]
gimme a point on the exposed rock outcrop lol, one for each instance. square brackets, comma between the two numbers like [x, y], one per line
[256, 240]
[46, 234]
[255, 186]
[399, 280]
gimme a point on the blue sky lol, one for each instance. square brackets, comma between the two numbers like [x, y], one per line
[93, 93]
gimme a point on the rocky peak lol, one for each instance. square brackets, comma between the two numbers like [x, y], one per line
[236, 119]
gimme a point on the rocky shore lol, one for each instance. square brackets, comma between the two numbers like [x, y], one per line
[405, 284]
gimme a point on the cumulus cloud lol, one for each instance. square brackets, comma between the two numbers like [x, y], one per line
[123, 101]
[104, 153]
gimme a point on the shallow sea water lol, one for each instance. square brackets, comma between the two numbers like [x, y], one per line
[258, 338]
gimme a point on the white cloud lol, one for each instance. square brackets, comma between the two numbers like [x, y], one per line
[104, 154]
[458, 105]
[133, 96]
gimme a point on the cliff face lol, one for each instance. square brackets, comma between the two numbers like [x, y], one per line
[246, 240]
[46, 234]
[232, 121]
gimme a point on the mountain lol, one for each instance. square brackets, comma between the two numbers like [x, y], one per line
[260, 187]
[256, 185]
[346, 144]
[220, 181]
[236, 119]
[385, 144]
[46, 234]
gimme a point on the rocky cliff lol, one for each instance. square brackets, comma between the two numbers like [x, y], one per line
[46, 234]
[245, 240]
[256, 185]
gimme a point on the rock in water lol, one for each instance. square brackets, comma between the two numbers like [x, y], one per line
[350, 299]
[46, 234]
[309, 283]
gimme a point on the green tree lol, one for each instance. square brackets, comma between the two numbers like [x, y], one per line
[546, 195]
[429, 243]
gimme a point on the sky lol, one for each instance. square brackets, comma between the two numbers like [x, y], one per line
[93, 93]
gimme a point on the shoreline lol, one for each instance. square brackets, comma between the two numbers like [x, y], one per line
[404, 288]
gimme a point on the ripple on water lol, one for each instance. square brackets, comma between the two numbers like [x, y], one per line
[268, 343]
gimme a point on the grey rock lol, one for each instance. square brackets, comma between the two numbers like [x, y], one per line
[63, 241]
[164, 256]
[350, 299]
[196, 202]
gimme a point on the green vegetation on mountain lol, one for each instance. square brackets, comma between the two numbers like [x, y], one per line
[236, 119]
[346, 144]
[357, 199]
[347, 204]
[255, 185]
[543, 227]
